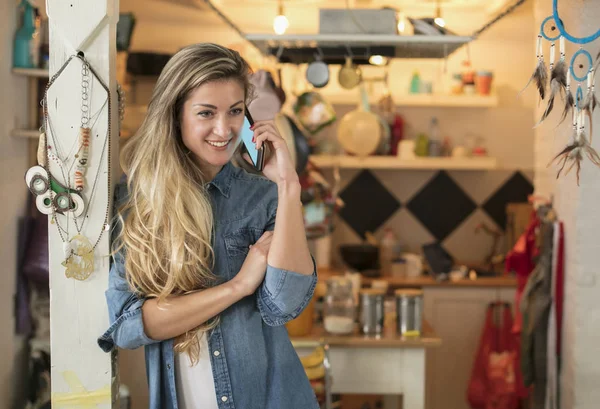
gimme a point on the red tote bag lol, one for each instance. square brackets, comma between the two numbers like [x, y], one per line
[496, 378]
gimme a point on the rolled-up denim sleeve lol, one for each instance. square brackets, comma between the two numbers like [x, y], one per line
[284, 294]
[126, 328]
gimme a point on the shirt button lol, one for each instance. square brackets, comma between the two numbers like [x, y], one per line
[216, 353]
[168, 366]
[224, 398]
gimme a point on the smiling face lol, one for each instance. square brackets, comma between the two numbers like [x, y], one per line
[211, 120]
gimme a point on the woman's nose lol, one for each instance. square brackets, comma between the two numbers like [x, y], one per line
[222, 127]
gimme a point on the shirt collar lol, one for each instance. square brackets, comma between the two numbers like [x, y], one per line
[222, 181]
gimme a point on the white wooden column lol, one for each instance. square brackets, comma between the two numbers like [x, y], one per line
[83, 376]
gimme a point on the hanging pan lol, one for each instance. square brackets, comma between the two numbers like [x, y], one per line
[349, 75]
[359, 131]
[317, 72]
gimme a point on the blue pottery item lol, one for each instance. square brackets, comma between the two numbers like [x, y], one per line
[22, 53]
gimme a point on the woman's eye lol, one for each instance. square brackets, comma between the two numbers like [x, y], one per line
[205, 114]
[237, 111]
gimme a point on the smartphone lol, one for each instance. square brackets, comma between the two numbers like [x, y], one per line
[256, 155]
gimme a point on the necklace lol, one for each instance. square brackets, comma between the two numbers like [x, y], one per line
[79, 251]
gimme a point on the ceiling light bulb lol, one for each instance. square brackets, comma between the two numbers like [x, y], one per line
[377, 60]
[438, 17]
[280, 23]
[401, 23]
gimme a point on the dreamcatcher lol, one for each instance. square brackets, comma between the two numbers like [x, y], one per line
[556, 81]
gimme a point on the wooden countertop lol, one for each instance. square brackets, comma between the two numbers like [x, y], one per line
[388, 339]
[428, 281]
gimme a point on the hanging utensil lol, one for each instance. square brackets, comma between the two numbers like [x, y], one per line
[349, 75]
[317, 72]
[359, 132]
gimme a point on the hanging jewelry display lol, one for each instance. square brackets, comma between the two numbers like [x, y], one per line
[66, 199]
[561, 77]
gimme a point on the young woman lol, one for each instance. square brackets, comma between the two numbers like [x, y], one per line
[204, 274]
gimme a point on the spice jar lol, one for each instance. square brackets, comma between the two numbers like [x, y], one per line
[372, 311]
[339, 309]
[409, 312]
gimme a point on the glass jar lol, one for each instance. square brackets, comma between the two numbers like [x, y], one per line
[339, 311]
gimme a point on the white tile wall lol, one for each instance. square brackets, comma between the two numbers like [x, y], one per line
[578, 208]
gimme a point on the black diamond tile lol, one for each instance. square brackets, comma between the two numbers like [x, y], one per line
[441, 205]
[368, 204]
[514, 190]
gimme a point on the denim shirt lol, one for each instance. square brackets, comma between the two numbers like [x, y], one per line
[253, 361]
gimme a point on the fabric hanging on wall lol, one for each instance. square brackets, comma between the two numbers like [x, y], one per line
[554, 322]
[520, 261]
[535, 308]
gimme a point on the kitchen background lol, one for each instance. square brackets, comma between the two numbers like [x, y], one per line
[421, 205]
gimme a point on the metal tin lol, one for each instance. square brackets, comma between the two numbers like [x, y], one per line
[409, 311]
[372, 311]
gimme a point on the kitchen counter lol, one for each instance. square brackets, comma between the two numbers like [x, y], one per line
[428, 281]
[386, 365]
[440, 363]
[388, 339]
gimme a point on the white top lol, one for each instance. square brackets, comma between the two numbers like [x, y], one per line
[195, 384]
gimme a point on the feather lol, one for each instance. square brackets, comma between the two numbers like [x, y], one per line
[589, 110]
[555, 88]
[576, 157]
[559, 74]
[590, 101]
[572, 154]
[540, 76]
[592, 155]
[569, 104]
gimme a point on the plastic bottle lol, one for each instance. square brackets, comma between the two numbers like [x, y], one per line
[415, 83]
[422, 145]
[26, 47]
[435, 139]
[387, 251]
[397, 134]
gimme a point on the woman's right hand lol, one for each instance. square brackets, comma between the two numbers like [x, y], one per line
[254, 268]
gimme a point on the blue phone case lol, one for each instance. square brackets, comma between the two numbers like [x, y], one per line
[246, 135]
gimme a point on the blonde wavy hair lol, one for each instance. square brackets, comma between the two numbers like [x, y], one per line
[168, 229]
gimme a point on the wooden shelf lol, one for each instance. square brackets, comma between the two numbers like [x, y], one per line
[499, 281]
[422, 100]
[25, 133]
[31, 72]
[388, 339]
[392, 162]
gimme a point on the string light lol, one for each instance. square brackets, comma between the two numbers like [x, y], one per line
[401, 22]
[280, 23]
[378, 60]
[438, 16]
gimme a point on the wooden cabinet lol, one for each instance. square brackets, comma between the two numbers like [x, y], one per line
[457, 314]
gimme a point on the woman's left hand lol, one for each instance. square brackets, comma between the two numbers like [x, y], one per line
[278, 164]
